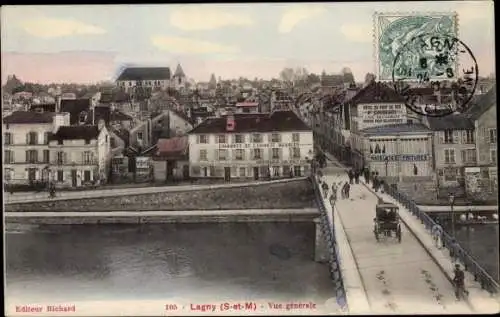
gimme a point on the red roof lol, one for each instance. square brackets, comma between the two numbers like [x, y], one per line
[173, 147]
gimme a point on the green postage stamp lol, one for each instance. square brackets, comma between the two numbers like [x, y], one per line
[393, 31]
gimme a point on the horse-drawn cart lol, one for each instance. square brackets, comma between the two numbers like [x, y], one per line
[386, 221]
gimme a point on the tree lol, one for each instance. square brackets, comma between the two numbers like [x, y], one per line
[12, 84]
[287, 74]
[369, 77]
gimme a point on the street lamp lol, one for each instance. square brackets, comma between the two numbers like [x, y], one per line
[451, 198]
[386, 160]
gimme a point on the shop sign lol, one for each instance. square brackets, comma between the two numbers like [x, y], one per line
[399, 157]
[256, 145]
[142, 162]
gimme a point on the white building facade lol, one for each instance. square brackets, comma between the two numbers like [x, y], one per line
[268, 150]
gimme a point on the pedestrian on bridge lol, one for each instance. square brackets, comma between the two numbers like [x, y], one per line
[351, 176]
[324, 185]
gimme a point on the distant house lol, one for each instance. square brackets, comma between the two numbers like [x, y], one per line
[153, 77]
[81, 154]
[171, 159]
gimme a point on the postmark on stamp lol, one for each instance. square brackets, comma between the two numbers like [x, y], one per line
[393, 30]
[443, 64]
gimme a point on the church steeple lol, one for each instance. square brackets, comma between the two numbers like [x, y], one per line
[179, 72]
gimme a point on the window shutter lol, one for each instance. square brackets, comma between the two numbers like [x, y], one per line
[216, 154]
[243, 154]
[464, 136]
[198, 139]
[37, 174]
[27, 138]
[41, 137]
[290, 153]
[234, 154]
[27, 156]
[281, 153]
[455, 136]
[65, 157]
[26, 175]
[464, 156]
[270, 153]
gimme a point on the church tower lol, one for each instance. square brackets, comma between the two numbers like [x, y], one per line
[179, 78]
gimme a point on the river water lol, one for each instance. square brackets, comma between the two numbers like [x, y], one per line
[480, 241]
[240, 261]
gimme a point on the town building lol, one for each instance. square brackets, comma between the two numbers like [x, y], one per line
[373, 106]
[397, 152]
[80, 155]
[453, 149]
[255, 146]
[171, 159]
[483, 114]
[151, 77]
[26, 145]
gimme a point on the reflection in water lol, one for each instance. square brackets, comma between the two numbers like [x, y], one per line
[93, 262]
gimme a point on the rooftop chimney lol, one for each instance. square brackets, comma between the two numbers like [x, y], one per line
[58, 103]
[230, 123]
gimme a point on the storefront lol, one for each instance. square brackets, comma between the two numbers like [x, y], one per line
[399, 152]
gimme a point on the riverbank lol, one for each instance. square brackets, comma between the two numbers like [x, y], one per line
[161, 216]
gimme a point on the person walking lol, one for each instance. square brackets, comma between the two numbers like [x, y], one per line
[351, 176]
[459, 282]
[343, 191]
[356, 176]
[347, 190]
[367, 175]
[324, 185]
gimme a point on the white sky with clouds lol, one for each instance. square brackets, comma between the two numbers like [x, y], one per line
[89, 43]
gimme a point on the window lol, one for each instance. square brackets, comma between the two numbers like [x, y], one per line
[242, 172]
[275, 153]
[7, 138]
[449, 156]
[493, 155]
[275, 137]
[222, 155]
[32, 174]
[203, 139]
[469, 156]
[31, 156]
[493, 135]
[239, 138]
[257, 154]
[448, 136]
[203, 155]
[60, 142]
[60, 176]
[7, 174]
[238, 154]
[468, 136]
[87, 141]
[295, 137]
[256, 138]
[87, 157]
[32, 138]
[296, 152]
[61, 158]
[140, 136]
[8, 157]
[86, 176]
[221, 138]
[46, 156]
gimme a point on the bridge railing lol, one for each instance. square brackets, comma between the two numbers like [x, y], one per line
[487, 282]
[334, 258]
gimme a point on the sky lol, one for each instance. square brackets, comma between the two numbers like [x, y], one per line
[90, 43]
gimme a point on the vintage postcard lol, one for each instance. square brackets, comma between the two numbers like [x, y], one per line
[250, 159]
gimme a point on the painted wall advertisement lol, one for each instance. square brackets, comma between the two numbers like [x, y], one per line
[373, 115]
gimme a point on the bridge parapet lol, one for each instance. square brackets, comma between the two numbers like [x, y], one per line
[486, 281]
[334, 259]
